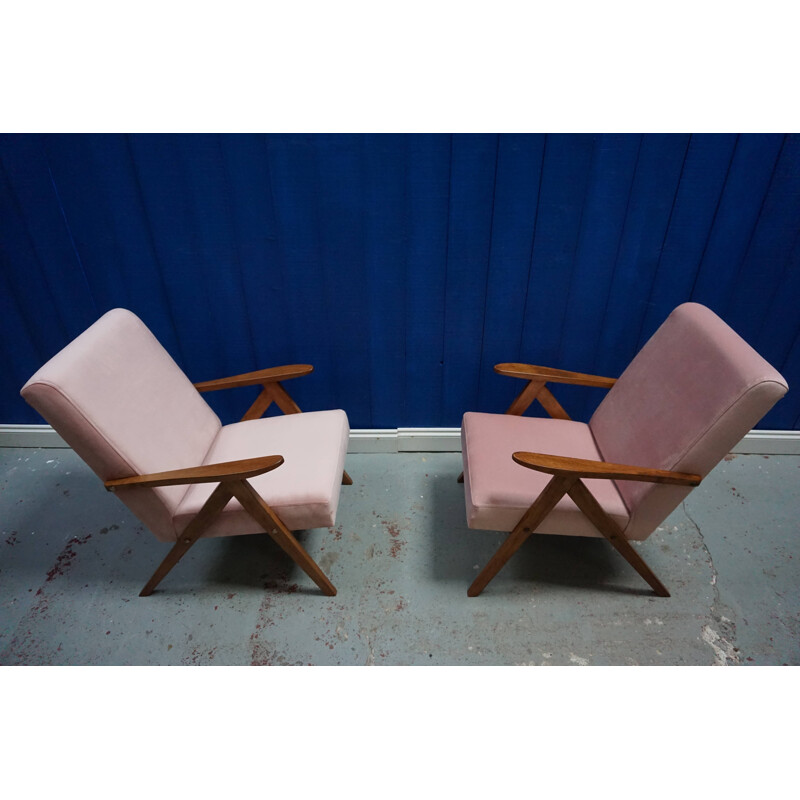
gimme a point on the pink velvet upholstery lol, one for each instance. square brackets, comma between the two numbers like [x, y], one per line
[303, 491]
[126, 408]
[693, 391]
[499, 491]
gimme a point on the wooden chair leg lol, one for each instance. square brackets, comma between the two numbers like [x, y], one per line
[271, 393]
[531, 519]
[205, 516]
[587, 503]
[284, 402]
[551, 405]
[253, 503]
[275, 393]
[533, 390]
[528, 394]
[260, 405]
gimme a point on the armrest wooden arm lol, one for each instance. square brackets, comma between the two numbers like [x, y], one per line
[583, 468]
[531, 373]
[258, 377]
[208, 473]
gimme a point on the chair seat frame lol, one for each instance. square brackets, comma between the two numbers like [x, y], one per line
[232, 478]
[568, 476]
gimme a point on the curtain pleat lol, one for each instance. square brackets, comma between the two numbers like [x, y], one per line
[402, 266]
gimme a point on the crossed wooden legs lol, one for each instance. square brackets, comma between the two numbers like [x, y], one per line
[253, 503]
[273, 392]
[261, 513]
[539, 509]
[558, 486]
[205, 516]
[533, 390]
[585, 500]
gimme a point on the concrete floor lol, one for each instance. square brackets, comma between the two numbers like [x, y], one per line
[73, 559]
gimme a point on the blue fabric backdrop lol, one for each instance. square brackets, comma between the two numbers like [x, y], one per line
[402, 266]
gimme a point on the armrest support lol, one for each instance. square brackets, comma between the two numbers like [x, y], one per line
[261, 376]
[583, 468]
[208, 473]
[532, 373]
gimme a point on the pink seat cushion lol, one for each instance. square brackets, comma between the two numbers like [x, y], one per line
[499, 491]
[303, 491]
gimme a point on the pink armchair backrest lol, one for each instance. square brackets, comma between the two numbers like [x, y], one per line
[692, 392]
[119, 400]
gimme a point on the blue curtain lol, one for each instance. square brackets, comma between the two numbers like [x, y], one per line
[402, 266]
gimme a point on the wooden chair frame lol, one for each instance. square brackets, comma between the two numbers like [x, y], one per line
[271, 392]
[568, 476]
[232, 479]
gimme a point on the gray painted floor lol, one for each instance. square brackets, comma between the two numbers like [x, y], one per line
[73, 559]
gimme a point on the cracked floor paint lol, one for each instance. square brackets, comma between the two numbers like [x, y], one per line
[73, 559]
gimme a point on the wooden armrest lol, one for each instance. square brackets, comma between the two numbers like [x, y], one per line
[260, 376]
[208, 473]
[531, 373]
[583, 468]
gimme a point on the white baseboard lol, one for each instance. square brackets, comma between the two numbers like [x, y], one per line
[768, 443]
[427, 440]
[30, 436]
[410, 440]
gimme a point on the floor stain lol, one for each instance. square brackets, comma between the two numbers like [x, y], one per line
[397, 543]
[66, 557]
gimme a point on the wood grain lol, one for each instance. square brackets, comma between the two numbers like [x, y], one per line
[269, 375]
[281, 397]
[551, 405]
[259, 406]
[550, 375]
[208, 473]
[587, 503]
[531, 519]
[526, 396]
[205, 516]
[585, 468]
[260, 511]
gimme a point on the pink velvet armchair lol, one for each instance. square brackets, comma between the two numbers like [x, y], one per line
[126, 408]
[692, 392]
